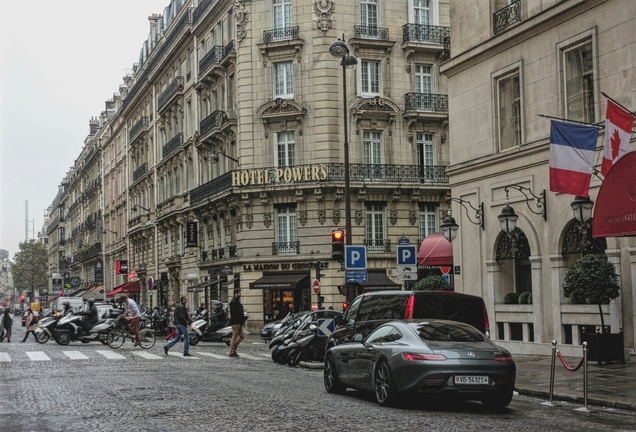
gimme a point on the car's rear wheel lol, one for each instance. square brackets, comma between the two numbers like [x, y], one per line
[385, 393]
[332, 382]
[498, 400]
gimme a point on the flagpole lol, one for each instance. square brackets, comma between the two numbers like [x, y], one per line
[601, 126]
[617, 103]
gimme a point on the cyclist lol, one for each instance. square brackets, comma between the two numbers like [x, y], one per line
[132, 314]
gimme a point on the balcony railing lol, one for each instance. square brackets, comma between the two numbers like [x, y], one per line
[201, 10]
[138, 128]
[213, 187]
[139, 172]
[280, 248]
[378, 245]
[92, 185]
[286, 33]
[430, 102]
[217, 254]
[176, 86]
[507, 16]
[425, 33]
[173, 144]
[370, 32]
[90, 252]
[215, 55]
[212, 121]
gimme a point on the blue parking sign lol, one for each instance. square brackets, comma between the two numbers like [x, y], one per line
[406, 255]
[355, 257]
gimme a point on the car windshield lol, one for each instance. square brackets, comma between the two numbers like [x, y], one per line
[443, 331]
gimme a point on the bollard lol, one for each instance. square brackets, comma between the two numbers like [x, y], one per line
[584, 408]
[552, 367]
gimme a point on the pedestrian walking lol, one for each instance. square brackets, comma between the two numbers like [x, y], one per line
[132, 316]
[181, 321]
[7, 324]
[237, 321]
[2, 325]
[30, 325]
[173, 329]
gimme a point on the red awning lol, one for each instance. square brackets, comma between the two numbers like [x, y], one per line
[615, 208]
[130, 287]
[436, 251]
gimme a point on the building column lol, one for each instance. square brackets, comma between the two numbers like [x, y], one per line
[615, 306]
[558, 268]
[537, 298]
[493, 282]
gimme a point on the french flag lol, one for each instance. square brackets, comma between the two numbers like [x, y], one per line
[572, 148]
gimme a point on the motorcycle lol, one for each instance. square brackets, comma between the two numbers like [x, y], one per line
[45, 329]
[159, 322]
[200, 332]
[299, 328]
[302, 348]
[68, 329]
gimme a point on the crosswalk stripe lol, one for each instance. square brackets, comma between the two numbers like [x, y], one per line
[251, 357]
[216, 356]
[38, 356]
[75, 355]
[177, 354]
[110, 355]
[4, 357]
[266, 355]
[146, 355]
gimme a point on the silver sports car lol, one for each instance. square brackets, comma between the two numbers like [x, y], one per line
[425, 356]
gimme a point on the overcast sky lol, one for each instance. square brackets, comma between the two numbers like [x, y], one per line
[59, 62]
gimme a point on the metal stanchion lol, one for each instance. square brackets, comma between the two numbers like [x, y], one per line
[585, 407]
[552, 366]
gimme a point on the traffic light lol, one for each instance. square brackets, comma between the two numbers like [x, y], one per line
[21, 299]
[337, 245]
[345, 305]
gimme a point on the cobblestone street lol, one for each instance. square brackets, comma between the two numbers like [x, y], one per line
[89, 387]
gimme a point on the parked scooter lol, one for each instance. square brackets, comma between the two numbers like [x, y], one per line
[68, 329]
[299, 329]
[302, 347]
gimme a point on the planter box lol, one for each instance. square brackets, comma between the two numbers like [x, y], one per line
[604, 347]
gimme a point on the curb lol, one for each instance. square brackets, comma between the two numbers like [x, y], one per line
[578, 399]
[311, 365]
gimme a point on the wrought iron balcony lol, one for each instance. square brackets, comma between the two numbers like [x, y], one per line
[139, 172]
[280, 34]
[378, 245]
[215, 55]
[430, 102]
[280, 248]
[221, 253]
[507, 16]
[213, 187]
[425, 33]
[175, 87]
[212, 121]
[202, 9]
[370, 32]
[142, 124]
[92, 185]
[88, 253]
[173, 144]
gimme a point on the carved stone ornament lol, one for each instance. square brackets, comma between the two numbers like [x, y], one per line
[282, 111]
[300, 196]
[324, 9]
[267, 219]
[359, 217]
[393, 217]
[361, 195]
[264, 198]
[318, 195]
[395, 196]
[247, 200]
[249, 221]
[302, 217]
[240, 16]
[338, 194]
[412, 217]
[322, 217]
[415, 196]
[336, 217]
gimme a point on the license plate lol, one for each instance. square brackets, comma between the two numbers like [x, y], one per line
[471, 379]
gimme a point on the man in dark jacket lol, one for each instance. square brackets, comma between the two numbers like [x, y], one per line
[91, 316]
[181, 322]
[237, 320]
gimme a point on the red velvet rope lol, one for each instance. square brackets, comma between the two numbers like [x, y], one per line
[568, 367]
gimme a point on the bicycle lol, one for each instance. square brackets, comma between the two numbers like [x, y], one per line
[118, 335]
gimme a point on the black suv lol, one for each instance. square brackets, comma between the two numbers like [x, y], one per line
[370, 310]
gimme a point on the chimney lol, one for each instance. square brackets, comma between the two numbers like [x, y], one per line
[93, 125]
[110, 105]
[153, 20]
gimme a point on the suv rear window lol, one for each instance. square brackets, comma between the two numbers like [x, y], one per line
[447, 332]
[450, 306]
[383, 307]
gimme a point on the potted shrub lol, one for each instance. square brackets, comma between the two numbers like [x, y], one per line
[511, 298]
[594, 279]
[525, 298]
[432, 283]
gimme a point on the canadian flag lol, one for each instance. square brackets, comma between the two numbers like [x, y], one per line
[618, 132]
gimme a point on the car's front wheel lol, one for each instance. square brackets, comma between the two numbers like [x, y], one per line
[332, 382]
[385, 393]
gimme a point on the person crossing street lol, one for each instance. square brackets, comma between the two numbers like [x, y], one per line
[237, 320]
[181, 321]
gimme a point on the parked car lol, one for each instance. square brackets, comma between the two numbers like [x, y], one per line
[269, 330]
[437, 357]
[370, 310]
[36, 315]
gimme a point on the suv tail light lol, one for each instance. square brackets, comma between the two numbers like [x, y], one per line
[408, 313]
[429, 357]
[486, 322]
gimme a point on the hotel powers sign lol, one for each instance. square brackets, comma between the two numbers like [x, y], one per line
[304, 173]
[615, 209]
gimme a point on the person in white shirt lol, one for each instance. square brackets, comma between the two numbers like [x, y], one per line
[132, 316]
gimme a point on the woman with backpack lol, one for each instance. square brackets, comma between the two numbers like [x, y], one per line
[7, 324]
[30, 325]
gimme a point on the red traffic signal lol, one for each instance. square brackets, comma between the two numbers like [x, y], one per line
[345, 305]
[337, 244]
[21, 298]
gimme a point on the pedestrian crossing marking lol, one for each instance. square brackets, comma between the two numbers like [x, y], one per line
[75, 355]
[146, 355]
[216, 356]
[251, 357]
[266, 355]
[4, 357]
[110, 355]
[177, 354]
[38, 356]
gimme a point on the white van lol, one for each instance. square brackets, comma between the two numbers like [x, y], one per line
[74, 302]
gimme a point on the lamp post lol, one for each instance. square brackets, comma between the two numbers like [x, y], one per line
[215, 157]
[340, 50]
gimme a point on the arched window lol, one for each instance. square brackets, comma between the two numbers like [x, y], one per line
[514, 251]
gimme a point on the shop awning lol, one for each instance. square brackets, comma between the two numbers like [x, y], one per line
[203, 285]
[130, 287]
[378, 280]
[280, 281]
[436, 251]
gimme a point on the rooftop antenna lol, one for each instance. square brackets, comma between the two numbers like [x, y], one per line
[26, 220]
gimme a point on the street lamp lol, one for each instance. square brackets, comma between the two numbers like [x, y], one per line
[340, 50]
[449, 227]
[582, 207]
[135, 207]
[110, 231]
[215, 157]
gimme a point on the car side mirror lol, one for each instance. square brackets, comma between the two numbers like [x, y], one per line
[358, 337]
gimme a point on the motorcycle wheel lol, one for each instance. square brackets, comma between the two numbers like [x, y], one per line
[42, 337]
[116, 338]
[295, 357]
[274, 352]
[194, 338]
[147, 338]
[63, 337]
[281, 357]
